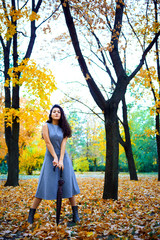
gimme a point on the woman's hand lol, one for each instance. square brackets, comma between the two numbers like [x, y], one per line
[55, 162]
[60, 165]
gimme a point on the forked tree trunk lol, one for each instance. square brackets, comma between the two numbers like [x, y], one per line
[109, 107]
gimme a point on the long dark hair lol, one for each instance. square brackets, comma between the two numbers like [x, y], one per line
[63, 123]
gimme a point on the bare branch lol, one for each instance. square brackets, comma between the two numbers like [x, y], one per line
[143, 56]
[157, 52]
[18, 4]
[2, 42]
[134, 31]
[5, 9]
[104, 60]
[108, 22]
[104, 90]
[154, 95]
[23, 34]
[125, 51]
[24, 5]
[49, 16]
[144, 36]
[121, 141]
[77, 100]
[95, 62]
[94, 90]
[38, 6]
[89, 113]
[82, 84]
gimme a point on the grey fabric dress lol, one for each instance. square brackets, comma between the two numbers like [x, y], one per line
[48, 180]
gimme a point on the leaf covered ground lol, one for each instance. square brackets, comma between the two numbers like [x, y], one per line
[136, 214]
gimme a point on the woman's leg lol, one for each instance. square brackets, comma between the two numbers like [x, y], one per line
[75, 212]
[32, 210]
[72, 201]
[36, 202]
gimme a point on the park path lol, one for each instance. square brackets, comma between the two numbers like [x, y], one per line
[100, 175]
[82, 175]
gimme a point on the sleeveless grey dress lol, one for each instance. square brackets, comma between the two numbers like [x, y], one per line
[48, 180]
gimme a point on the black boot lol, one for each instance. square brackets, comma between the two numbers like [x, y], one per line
[31, 215]
[75, 214]
[75, 217]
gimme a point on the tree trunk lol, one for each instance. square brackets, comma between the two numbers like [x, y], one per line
[157, 110]
[112, 151]
[127, 145]
[13, 149]
[158, 143]
[13, 170]
[95, 164]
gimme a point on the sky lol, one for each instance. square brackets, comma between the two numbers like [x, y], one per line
[60, 58]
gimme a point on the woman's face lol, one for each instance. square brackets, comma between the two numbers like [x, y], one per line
[56, 114]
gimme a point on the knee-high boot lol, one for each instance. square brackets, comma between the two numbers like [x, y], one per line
[31, 215]
[75, 217]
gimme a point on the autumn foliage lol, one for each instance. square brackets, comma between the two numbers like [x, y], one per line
[37, 86]
[135, 215]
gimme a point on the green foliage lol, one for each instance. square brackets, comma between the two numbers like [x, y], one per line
[3, 166]
[81, 164]
[123, 165]
[77, 143]
[97, 168]
[143, 142]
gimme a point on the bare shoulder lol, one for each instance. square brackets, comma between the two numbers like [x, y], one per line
[45, 127]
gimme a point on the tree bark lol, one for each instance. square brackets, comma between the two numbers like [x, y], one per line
[13, 149]
[95, 164]
[158, 143]
[127, 144]
[157, 109]
[112, 151]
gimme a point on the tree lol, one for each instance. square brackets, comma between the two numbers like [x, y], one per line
[125, 141]
[34, 109]
[150, 76]
[158, 98]
[102, 62]
[110, 106]
[13, 15]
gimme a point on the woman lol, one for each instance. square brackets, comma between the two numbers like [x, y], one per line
[55, 133]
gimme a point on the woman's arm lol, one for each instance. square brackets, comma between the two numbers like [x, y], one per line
[49, 144]
[63, 147]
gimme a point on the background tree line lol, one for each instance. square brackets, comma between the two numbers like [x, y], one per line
[87, 145]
